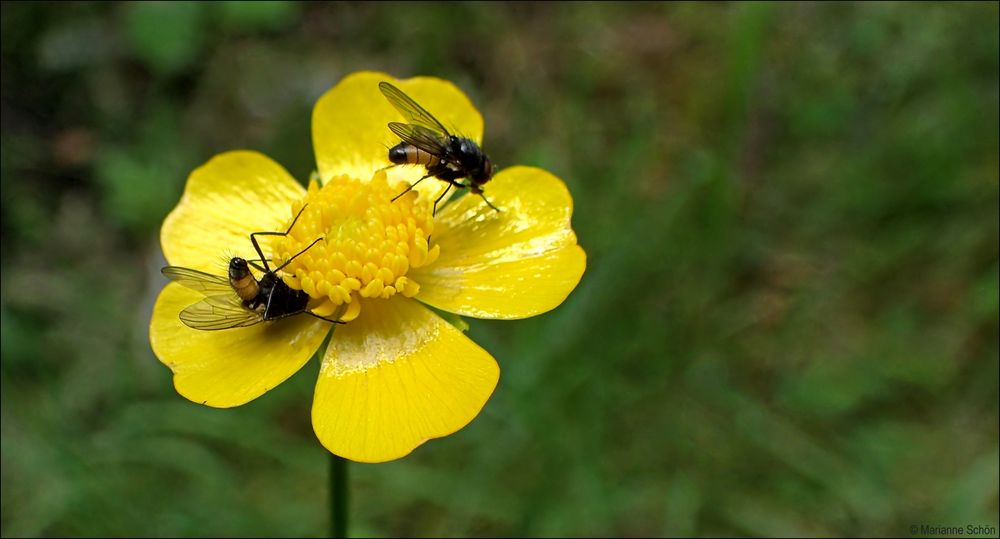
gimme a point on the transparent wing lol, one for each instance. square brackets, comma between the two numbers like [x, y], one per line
[222, 311]
[421, 137]
[197, 280]
[414, 113]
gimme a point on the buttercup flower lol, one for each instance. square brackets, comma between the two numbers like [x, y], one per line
[395, 374]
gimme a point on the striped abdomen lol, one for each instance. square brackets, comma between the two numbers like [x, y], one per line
[408, 154]
[242, 281]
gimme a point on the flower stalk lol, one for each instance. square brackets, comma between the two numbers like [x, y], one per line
[339, 496]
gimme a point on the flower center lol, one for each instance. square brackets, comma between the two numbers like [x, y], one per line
[368, 244]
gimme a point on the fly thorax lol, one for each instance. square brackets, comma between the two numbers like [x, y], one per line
[369, 244]
[267, 282]
[467, 148]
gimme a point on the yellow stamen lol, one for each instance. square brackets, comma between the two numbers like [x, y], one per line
[369, 244]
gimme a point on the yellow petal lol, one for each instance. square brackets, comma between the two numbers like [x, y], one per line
[226, 199]
[395, 378]
[519, 262]
[229, 367]
[350, 133]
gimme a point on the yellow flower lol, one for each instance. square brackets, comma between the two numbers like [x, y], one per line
[396, 375]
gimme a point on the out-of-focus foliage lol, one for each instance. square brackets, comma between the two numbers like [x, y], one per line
[788, 325]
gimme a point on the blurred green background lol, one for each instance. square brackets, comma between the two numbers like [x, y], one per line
[788, 324]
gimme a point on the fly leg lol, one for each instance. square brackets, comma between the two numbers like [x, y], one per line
[324, 318]
[256, 246]
[286, 315]
[479, 192]
[446, 189]
[412, 185]
[258, 266]
[281, 267]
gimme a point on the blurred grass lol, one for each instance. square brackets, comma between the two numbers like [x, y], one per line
[788, 325]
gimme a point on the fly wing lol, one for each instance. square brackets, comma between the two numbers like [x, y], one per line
[223, 311]
[421, 137]
[414, 113]
[197, 280]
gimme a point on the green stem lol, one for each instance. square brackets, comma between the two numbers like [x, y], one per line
[338, 496]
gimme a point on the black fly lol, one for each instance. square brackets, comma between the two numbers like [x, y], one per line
[426, 142]
[240, 299]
